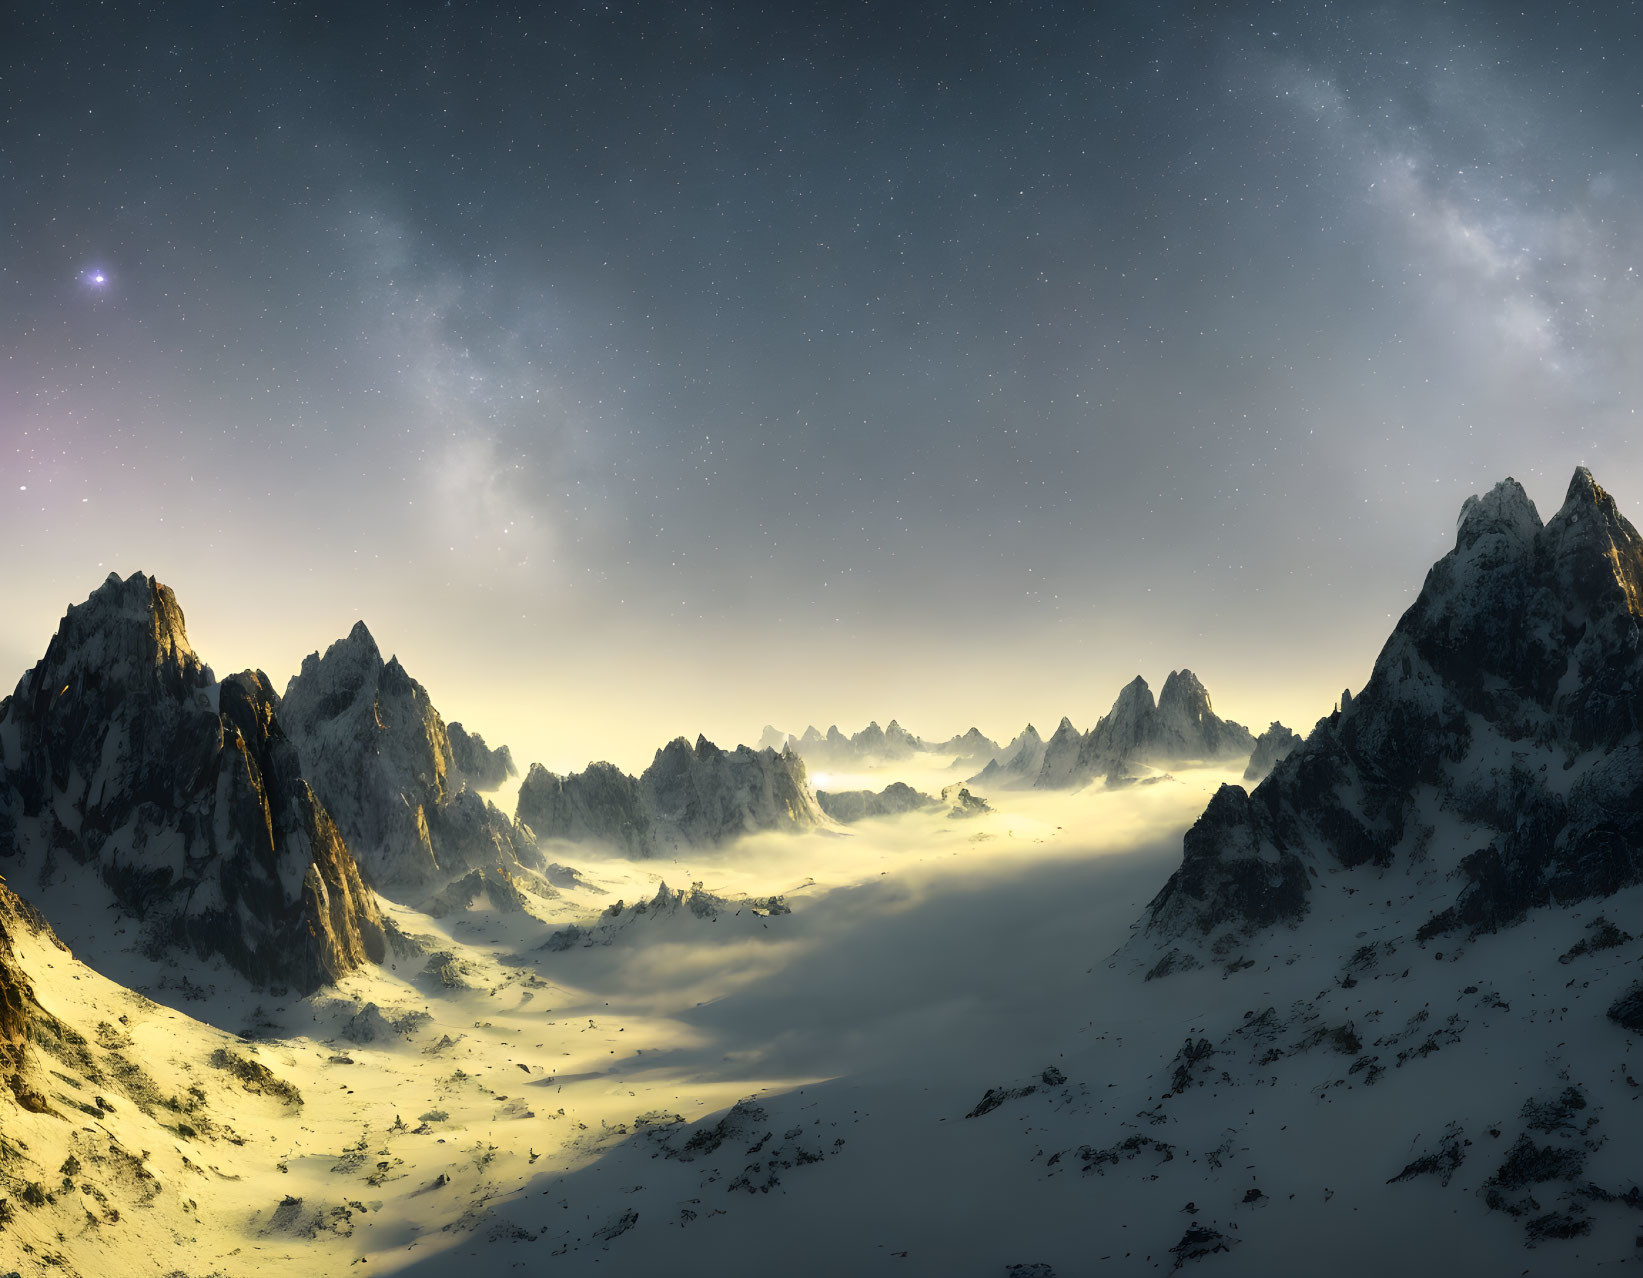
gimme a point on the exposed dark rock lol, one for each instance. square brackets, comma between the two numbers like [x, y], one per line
[1200, 1241]
[16, 993]
[965, 804]
[1627, 1010]
[1442, 1161]
[120, 750]
[1524, 637]
[1600, 935]
[1554, 1113]
[1238, 874]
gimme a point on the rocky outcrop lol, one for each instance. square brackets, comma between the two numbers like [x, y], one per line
[965, 804]
[690, 796]
[16, 992]
[1277, 742]
[847, 806]
[704, 796]
[1507, 707]
[1137, 733]
[601, 804]
[481, 767]
[120, 750]
[381, 759]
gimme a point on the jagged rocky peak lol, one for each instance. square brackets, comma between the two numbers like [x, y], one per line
[1277, 742]
[1185, 698]
[690, 796]
[481, 767]
[1505, 511]
[1494, 746]
[1137, 733]
[773, 739]
[128, 634]
[600, 804]
[1059, 766]
[120, 752]
[1018, 763]
[382, 760]
[898, 739]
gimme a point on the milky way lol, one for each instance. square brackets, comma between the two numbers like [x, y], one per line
[641, 369]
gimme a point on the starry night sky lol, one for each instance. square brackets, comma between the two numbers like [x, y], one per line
[637, 369]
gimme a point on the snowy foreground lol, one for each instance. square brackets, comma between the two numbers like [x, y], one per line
[932, 1065]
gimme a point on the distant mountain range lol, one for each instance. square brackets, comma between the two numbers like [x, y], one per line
[690, 796]
[874, 746]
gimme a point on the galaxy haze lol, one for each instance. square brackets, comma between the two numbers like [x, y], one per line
[637, 370]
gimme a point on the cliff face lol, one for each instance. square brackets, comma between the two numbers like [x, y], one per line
[383, 762]
[120, 750]
[1494, 746]
[601, 804]
[16, 993]
[482, 767]
[697, 796]
[1277, 742]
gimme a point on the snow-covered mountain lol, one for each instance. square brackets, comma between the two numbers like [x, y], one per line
[119, 750]
[380, 756]
[1496, 746]
[1180, 727]
[1277, 742]
[690, 796]
[1018, 763]
[1416, 934]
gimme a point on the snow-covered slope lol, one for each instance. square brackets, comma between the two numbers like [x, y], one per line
[379, 755]
[119, 751]
[697, 796]
[1415, 937]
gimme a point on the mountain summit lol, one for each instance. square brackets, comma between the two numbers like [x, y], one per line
[380, 756]
[1180, 727]
[1495, 746]
[119, 750]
